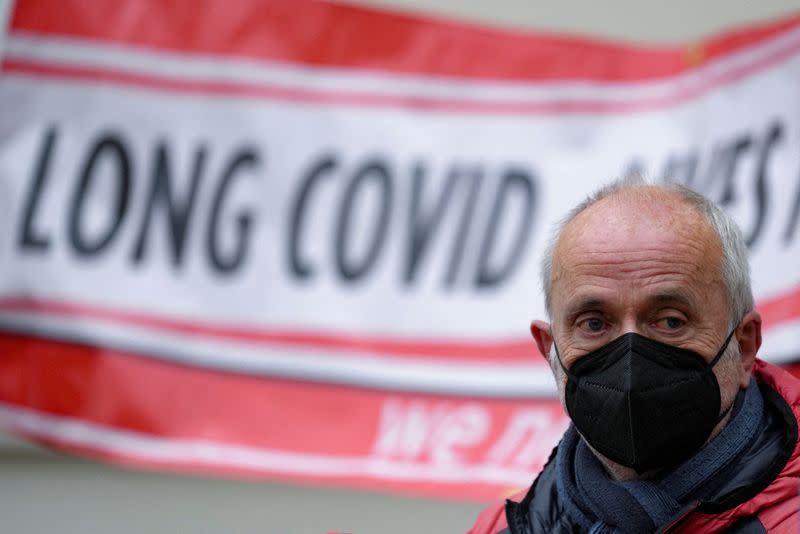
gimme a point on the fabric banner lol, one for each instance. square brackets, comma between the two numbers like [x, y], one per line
[300, 240]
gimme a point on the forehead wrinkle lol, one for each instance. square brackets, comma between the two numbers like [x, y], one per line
[626, 260]
[600, 251]
[645, 270]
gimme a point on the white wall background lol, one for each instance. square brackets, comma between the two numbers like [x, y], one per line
[642, 21]
[46, 492]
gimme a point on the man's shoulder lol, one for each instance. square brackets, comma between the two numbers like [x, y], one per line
[764, 486]
[779, 379]
[541, 496]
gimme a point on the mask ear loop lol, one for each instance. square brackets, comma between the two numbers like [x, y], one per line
[724, 347]
[714, 362]
[558, 357]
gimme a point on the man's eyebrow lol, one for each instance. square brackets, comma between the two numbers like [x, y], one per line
[673, 296]
[585, 303]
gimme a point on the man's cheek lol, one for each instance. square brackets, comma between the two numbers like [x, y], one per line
[561, 385]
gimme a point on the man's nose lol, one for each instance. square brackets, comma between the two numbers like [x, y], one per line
[629, 325]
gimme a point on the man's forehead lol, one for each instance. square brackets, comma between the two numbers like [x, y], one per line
[640, 214]
[636, 209]
[638, 231]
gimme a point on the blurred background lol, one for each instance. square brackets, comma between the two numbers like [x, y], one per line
[45, 491]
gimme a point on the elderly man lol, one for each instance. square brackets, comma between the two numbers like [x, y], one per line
[676, 425]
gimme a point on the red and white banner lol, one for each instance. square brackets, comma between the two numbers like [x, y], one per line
[300, 240]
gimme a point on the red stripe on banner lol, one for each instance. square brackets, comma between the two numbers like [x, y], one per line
[355, 37]
[513, 350]
[780, 308]
[402, 442]
[129, 392]
[679, 94]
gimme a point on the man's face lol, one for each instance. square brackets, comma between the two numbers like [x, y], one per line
[647, 265]
[644, 261]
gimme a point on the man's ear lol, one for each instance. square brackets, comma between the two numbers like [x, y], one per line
[544, 339]
[748, 335]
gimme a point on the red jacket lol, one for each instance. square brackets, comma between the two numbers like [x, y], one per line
[772, 505]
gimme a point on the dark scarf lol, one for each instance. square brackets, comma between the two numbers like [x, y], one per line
[602, 505]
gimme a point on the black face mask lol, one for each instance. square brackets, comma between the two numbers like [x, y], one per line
[642, 403]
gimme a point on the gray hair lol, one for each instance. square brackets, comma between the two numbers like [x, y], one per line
[735, 267]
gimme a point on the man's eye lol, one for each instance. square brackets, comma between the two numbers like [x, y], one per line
[671, 323]
[593, 325]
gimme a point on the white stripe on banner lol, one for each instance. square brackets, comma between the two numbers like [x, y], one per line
[417, 374]
[777, 339]
[61, 51]
[147, 448]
